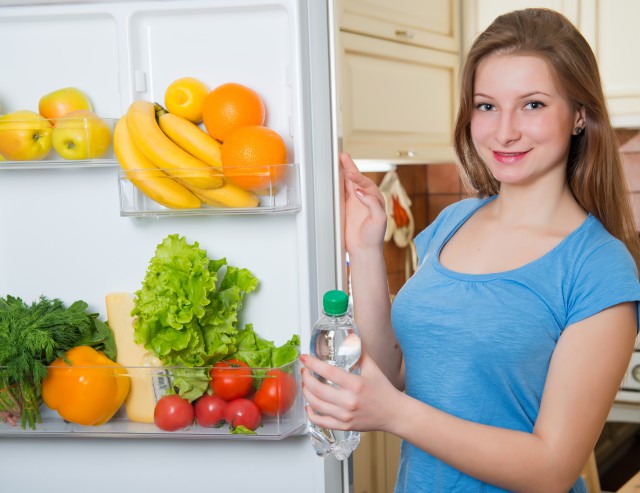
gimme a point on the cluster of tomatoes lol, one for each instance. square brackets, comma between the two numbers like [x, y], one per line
[231, 400]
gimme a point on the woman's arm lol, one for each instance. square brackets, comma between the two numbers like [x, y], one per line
[584, 375]
[365, 224]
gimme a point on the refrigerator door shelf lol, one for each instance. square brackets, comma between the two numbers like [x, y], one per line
[281, 192]
[77, 139]
[147, 386]
[117, 428]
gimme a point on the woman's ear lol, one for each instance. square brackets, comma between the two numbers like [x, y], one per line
[581, 119]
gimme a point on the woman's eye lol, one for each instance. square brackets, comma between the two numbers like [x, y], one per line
[534, 105]
[484, 107]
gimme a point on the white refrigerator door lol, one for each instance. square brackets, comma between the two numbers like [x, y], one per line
[62, 236]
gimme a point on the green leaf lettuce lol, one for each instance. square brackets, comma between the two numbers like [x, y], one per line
[182, 316]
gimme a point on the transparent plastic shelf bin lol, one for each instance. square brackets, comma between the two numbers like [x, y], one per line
[147, 385]
[69, 142]
[263, 189]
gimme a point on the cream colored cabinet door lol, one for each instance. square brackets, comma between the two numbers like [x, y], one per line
[429, 23]
[398, 101]
[612, 29]
[376, 462]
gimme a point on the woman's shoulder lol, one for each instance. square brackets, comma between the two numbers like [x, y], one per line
[458, 211]
[598, 257]
[461, 209]
[447, 220]
[592, 238]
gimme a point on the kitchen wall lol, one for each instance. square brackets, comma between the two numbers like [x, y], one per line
[630, 151]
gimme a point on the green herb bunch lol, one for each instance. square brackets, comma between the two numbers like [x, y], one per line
[31, 337]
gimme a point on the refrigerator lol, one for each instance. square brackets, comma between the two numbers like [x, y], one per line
[72, 230]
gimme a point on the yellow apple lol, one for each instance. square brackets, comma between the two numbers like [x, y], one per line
[81, 135]
[62, 102]
[24, 136]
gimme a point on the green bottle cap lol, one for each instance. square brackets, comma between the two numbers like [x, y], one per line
[335, 302]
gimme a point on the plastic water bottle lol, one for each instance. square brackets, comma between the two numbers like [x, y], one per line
[335, 340]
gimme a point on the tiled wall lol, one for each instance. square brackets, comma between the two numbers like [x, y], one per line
[432, 187]
[630, 153]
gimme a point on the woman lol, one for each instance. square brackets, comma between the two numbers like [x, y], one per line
[513, 336]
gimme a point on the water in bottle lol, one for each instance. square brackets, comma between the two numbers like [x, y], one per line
[335, 340]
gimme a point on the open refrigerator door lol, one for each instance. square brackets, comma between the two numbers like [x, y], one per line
[79, 229]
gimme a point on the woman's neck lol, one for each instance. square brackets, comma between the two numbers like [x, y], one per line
[540, 206]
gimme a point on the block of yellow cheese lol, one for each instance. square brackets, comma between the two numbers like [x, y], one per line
[141, 400]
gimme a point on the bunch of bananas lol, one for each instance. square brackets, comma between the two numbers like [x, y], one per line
[173, 161]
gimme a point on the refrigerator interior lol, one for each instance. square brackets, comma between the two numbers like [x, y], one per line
[62, 234]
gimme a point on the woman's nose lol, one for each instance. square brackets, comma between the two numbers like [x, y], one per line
[508, 129]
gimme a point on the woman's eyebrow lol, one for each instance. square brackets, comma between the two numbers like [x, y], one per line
[524, 96]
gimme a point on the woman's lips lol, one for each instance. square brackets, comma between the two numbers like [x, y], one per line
[509, 157]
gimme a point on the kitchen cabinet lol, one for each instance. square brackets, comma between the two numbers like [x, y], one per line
[376, 462]
[398, 70]
[398, 101]
[428, 23]
[610, 29]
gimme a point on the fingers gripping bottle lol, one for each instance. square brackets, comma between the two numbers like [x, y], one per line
[335, 340]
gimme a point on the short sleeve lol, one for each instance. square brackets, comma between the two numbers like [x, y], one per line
[423, 241]
[607, 277]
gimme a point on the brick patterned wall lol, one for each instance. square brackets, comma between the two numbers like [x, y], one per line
[433, 187]
[630, 153]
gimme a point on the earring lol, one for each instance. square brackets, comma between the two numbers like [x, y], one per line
[578, 130]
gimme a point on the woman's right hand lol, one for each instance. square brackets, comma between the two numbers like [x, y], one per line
[365, 214]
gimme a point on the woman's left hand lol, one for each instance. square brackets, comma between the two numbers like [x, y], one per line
[362, 402]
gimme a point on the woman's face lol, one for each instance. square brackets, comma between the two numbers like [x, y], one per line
[521, 124]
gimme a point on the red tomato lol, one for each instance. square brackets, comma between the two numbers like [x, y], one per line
[231, 379]
[276, 394]
[173, 413]
[210, 411]
[242, 412]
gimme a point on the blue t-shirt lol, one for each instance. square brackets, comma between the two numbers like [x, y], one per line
[478, 346]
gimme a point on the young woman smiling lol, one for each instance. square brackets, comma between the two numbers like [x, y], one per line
[511, 339]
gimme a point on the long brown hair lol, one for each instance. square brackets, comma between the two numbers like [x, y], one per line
[594, 170]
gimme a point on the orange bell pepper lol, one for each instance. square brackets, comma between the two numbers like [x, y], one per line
[87, 392]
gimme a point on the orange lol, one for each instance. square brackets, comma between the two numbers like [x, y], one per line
[250, 156]
[229, 107]
[185, 97]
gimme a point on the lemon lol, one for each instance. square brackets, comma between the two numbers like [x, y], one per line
[185, 97]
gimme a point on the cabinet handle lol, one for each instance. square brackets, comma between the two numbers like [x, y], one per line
[403, 33]
[406, 153]
[635, 373]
